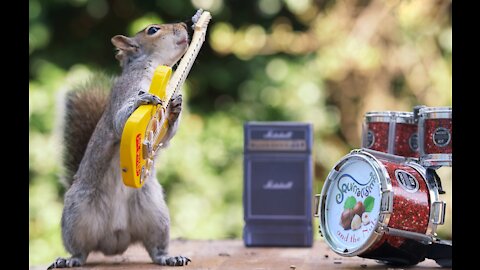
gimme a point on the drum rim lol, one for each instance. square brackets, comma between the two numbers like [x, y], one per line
[435, 112]
[436, 159]
[390, 116]
[405, 120]
[403, 113]
[378, 116]
[386, 189]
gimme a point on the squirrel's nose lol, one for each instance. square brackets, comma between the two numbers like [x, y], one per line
[176, 29]
[188, 23]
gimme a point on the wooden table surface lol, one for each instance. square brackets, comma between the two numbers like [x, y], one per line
[232, 254]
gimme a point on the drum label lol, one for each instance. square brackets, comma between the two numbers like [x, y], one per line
[413, 142]
[353, 205]
[348, 184]
[441, 136]
[370, 139]
[407, 181]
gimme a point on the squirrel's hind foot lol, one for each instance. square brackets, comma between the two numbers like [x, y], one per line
[66, 263]
[171, 260]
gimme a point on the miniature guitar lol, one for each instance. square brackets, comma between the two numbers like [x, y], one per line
[148, 124]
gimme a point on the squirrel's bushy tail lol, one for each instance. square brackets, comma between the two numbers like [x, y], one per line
[84, 105]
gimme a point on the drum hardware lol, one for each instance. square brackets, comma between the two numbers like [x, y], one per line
[433, 178]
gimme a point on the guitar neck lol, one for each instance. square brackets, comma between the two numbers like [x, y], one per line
[181, 73]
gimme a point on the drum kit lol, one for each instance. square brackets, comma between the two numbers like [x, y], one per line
[383, 201]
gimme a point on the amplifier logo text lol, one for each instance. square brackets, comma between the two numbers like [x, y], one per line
[272, 185]
[278, 135]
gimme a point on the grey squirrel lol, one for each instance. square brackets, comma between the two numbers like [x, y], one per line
[100, 213]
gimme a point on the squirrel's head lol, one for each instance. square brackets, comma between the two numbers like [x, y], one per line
[162, 44]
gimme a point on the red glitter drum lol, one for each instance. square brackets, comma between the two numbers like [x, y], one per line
[391, 132]
[379, 206]
[435, 136]
[376, 131]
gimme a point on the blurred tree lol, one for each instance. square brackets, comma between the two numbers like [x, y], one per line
[321, 61]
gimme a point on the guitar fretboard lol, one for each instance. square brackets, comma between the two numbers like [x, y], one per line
[181, 73]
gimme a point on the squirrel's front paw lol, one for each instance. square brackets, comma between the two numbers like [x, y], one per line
[144, 98]
[130, 106]
[175, 108]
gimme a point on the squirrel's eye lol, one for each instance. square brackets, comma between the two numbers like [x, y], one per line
[152, 30]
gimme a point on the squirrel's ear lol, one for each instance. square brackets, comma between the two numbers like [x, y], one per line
[124, 43]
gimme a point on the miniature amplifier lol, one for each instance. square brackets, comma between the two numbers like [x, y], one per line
[277, 190]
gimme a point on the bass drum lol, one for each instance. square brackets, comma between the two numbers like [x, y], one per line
[380, 206]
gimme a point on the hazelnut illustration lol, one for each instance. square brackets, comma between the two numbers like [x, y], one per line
[365, 218]
[356, 222]
[346, 218]
[359, 208]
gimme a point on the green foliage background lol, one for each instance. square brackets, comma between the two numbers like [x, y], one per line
[320, 61]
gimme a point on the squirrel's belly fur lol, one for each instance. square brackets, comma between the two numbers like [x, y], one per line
[113, 216]
[117, 236]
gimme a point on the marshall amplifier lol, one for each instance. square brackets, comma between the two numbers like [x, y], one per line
[277, 184]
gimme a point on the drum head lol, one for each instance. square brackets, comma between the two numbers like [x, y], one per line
[351, 202]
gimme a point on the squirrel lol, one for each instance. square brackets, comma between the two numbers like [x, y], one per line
[100, 213]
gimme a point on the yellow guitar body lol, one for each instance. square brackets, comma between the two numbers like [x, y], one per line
[136, 143]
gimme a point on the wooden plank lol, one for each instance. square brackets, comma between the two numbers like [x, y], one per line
[233, 255]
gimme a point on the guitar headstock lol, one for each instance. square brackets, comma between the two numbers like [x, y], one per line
[202, 21]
